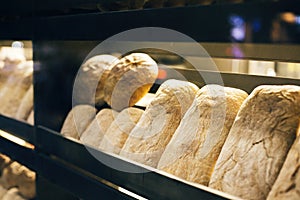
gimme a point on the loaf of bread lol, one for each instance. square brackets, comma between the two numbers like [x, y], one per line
[258, 142]
[10, 59]
[119, 130]
[129, 80]
[26, 105]
[78, 120]
[150, 136]
[13, 174]
[3, 191]
[10, 175]
[195, 146]
[14, 194]
[4, 161]
[287, 183]
[89, 83]
[15, 89]
[26, 183]
[97, 129]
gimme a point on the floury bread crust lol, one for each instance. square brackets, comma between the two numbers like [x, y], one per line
[97, 129]
[26, 105]
[287, 185]
[77, 121]
[258, 142]
[195, 146]
[119, 130]
[30, 118]
[13, 193]
[129, 80]
[15, 89]
[151, 135]
[89, 83]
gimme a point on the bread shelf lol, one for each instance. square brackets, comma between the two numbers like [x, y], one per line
[144, 184]
[61, 43]
[68, 178]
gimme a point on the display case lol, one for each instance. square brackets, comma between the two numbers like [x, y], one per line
[242, 45]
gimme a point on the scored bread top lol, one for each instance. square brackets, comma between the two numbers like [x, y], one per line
[89, 82]
[154, 130]
[195, 146]
[287, 185]
[258, 142]
[129, 80]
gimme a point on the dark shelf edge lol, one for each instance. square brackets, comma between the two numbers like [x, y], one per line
[74, 181]
[18, 153]
[17, 128]
[143, 184]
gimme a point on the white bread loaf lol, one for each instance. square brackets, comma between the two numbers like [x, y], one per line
[4, 161]
[26, 105]
[26, 183]
[258, 142]
[129, 80]
[13, 194]
[154, 130]
[95, 132]
[287, 184]
[10, 59]
[15, 89]
[77, 121]
[89, 83]
[195, 146]
[119, 130]
[3, 191]
[10, 175]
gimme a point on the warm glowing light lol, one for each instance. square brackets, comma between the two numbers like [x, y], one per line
[145, 101]
[288, 17]
[131, 194]
[15, 139]
[162, 74]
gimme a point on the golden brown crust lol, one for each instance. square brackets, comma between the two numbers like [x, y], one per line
[15, 89]
[154, 130]
[13, 193]
[89, 83]
[258, 142]
[78, 120]
[95, 132]
[26, 105]
[129, 80]
[287, 184]
[119, 130]
[195, 146]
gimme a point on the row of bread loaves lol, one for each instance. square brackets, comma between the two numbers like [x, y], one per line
[216, 136]
[16, 90]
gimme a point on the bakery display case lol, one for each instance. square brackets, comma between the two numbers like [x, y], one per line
[241, 45]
